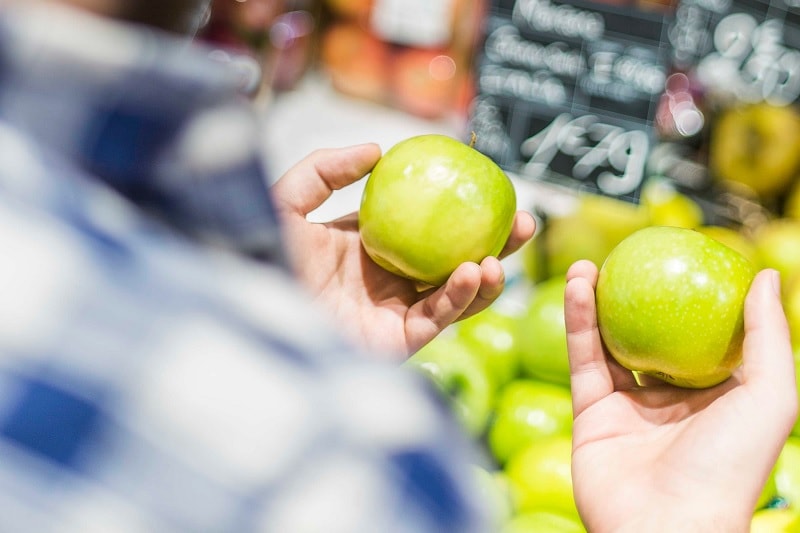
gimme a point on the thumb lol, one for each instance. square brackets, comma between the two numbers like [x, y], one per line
[307, 185]
[768, 361]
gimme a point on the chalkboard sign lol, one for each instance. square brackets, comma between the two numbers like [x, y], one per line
[747, 49]
[567, 92]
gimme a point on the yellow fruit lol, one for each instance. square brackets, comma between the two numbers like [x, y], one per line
[615, 219]
[541, 476]
[669, 207]
[731, 238]
[791, 206]
[775, 521]
[757, 146]
[777, 245]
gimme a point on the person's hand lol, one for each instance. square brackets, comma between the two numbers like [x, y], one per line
[659, 458]
[383, 311]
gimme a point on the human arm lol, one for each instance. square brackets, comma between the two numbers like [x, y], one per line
[386, 312]
[661, 458]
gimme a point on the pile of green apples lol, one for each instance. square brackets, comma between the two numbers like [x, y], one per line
[505, 371]
[505, 374]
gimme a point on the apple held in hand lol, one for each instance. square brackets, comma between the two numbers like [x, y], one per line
[432, 203]
[670, 304]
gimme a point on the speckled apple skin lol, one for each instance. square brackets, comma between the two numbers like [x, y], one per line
[670, 304]
[432, 203]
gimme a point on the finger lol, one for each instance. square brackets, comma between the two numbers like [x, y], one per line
[622, 378]
[590, 377]
[522, 230]
[310, 182]
[493, 280]
[768, 362]
[443, 306]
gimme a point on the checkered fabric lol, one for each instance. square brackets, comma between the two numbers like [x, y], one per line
[148, 383]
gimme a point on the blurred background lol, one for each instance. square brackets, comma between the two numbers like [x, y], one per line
[609, 116]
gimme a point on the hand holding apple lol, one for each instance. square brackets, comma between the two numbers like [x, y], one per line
[385, 312]
[432, 203]
[670, 304]
[657, 452]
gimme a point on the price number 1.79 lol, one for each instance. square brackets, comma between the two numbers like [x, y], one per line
[614, 158]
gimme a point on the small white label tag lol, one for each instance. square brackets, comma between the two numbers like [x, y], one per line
[421, 23]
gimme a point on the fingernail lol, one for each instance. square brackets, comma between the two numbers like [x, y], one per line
[776, 282]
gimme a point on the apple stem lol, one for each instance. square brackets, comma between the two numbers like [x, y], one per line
[472, 138]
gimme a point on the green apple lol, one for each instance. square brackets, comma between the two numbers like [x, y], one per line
[541, 476]
[526, 411]
[787, 472]
[670, 303]
[757, 146]
[669, 207]
[431, 203]
[534, 262]
[543, 521]
[615, 219]
[732, 238]
[493, 335]
[791, 205]
[494, 491]
[460, 375]
[543, 333]
[777, 245]
[567, 239]
[775, 521]
[791, 306]
[796, 350]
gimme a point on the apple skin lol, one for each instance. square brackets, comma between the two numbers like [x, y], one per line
[757, 146]
[526, 411]
[777, 245]
[791, 204]
[493, 334]
[568, 238]
[670, 304]
[459, 374]
[543, 521]
[732, 238]
[432, 203]
[791, 306]
[543, 333]
[787, 472]
[666, 206]
[775, 521]
[541, 476]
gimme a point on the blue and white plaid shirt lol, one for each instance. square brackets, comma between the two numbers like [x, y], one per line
[150, 383]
